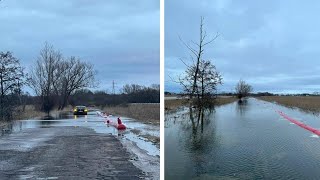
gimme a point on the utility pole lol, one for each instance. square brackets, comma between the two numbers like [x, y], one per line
[113, 87]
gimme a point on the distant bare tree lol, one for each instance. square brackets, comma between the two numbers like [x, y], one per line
[131, 88]
[11, 81]
[54, 78]
[243, 89]
[75, 75]
[44, 75]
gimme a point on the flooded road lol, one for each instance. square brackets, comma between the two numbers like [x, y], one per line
[242, 141]
[120, 155]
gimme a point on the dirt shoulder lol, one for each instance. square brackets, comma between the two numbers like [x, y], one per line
[82, 155]
[306, 103]
[145, 113]
[172, 104]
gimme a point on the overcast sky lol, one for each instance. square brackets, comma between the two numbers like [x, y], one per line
[121, 38]
[273, 45]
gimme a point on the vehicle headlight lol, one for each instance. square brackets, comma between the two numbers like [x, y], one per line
[75, 110]
[85, 110]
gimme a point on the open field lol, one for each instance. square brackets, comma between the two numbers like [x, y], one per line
[307, 103]
[171, 104]
[146, 113]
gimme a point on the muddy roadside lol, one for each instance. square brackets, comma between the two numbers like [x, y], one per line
[67, 153]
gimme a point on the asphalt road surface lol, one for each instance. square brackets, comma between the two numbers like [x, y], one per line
[66, 152]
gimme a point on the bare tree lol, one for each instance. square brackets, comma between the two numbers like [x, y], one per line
[11, 81]
[197, 53]
[206, 85]
[131, 88]
[243, 89]
[44, 75]
[200, 78]
[74, 75]
[209, 79]
[54, 78]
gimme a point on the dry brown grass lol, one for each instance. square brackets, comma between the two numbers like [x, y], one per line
[29, 112]
[225, 100]
[147, 113]
[172, 104]
[307, 103]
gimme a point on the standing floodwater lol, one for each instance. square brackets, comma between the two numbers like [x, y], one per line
[78, 147]
[247, 140]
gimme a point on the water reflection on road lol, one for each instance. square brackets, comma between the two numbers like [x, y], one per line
[26, 135]
[94, 122]
[246, 140]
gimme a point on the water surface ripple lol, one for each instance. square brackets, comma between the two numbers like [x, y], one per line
[241, 141]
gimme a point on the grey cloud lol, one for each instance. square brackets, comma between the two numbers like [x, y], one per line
[271, 44]
[120, 37]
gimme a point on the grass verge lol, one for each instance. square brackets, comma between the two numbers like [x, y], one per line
[172, 104]
[29, 112]
[306, 103]
[20, 114]
[146, 113]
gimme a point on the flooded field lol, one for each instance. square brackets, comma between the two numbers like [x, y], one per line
[26, 135]
[241, 141]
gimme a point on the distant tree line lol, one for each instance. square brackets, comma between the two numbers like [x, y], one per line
[257, 94]
[141, 94]
[131, 93]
